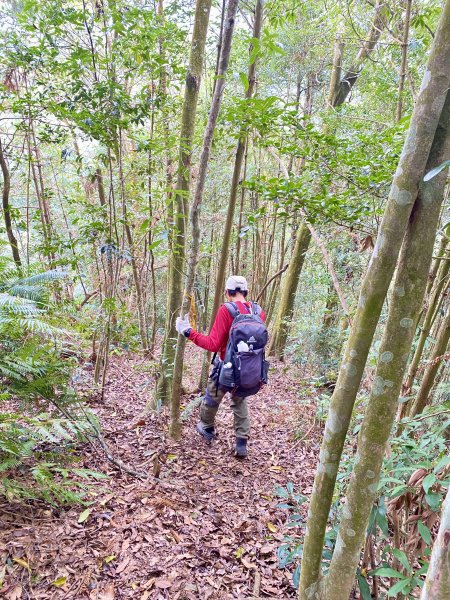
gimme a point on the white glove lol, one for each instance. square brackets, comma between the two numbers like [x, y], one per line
[182, 325]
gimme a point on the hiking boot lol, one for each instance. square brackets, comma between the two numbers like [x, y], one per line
[206, 431]
[241, 448]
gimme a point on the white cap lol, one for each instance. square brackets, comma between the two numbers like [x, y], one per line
[236, 282]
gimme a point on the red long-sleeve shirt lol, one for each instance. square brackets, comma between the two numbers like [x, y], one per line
[217, 339]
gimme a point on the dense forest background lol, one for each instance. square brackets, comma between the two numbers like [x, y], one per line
[147, 151]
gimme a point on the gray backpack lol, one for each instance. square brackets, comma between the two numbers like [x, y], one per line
[245, 369]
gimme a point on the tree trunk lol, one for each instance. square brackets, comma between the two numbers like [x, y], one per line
[437, 583]
[285, 311]
[6, 209]
[404, 64]
[409, 289]
[433, 304]
[403, 193]
[240, 151]
[432, 367]
[349, 79]
[336, 71]
[181, 201]
[195, 209]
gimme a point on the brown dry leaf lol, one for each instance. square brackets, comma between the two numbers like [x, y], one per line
[108, 593]
[123, 565]
[15, 593]
[247, 564]
[163, 584]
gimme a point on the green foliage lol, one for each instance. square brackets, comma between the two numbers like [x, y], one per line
[43, 417]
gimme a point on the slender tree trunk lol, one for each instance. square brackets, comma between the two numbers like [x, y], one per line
[284, 316]
[351, 75]
[336, 71]
[181, 200]
[241, 214]
[7, 210]
[239, 157]
[409, 289]
[437, 583]
[143, 331]
[403, 193]
[216, 102]
[404, 64]
[433, 304]
[432, 367]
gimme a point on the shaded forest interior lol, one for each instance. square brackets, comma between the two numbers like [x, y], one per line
[156, 159]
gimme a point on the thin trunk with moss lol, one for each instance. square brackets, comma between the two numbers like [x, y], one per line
[432, 368]
[408, 292]
[236, 177]
[181, 197]
[434, 302]
[437, 583]
[289, 289]
[7, 209]
[404, 189]
[216, 102]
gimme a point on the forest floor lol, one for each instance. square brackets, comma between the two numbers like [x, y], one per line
[209, 528]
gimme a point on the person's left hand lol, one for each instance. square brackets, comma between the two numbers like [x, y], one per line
[182, 325]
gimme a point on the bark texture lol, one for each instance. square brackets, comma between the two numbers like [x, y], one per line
[349, 78]
[437, 583]
[6, 208]
[216, 102]
[289, 290]
[181, 193]
[409, 289]
[235, 180]
[432, 367]
[404, 189]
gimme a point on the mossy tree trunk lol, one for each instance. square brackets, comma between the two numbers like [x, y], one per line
[433, 304]
[404, 62]
[409, 289]
[7, 210]
[216, 102]
[437, 583]
[285, 311]
[432, 367]
[235, 180]
[404, 189]
[181, 196]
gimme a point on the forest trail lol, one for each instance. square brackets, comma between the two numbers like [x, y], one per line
[210, 529]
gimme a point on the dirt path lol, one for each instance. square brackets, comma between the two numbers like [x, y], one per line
[209, 530]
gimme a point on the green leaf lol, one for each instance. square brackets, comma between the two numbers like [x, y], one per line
[433, 500]
[60, 581]
[424, 532]
[387, 572]
[84, 515]
[363, 586]
[244, 79]
[443, 462]
[398, 587]
[402, 558]
[429, 480]
[436, 170]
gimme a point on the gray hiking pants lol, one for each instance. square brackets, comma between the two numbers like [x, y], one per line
[210, 405]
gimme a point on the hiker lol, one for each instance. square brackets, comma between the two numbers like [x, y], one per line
[241, 367]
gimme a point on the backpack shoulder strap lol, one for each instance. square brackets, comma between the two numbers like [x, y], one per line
[232, 309]
[256, 309]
